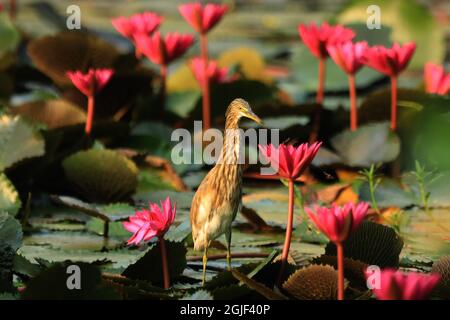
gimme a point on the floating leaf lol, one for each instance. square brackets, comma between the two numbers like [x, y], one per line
[18, 141]
[198, 295]
[313, 283]
[372, 243]
[10, 232]
[182, 103]
[55, 55]
[370, 144]
[54, 113]
[101, 175]
[9, 198]
[53, 284]
[149, 267]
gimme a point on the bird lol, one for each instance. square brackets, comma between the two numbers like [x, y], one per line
[218, 197]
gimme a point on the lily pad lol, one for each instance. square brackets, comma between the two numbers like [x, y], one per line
[9, 198]
[18, 141]
[372, 143]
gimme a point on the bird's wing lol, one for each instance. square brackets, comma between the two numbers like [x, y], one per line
[201, 208]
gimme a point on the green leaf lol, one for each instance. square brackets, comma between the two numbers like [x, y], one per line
[23, 266]
[9, 35]
[198, 295]
[149, 267]
[10, 231]
[52, 284]
[9, 198]
[182, 103]
[370, 144]
[18, 141]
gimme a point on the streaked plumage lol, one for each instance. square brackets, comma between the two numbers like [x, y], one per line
[218, 198]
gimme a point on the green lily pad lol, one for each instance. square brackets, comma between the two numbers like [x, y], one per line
[53, 284]
[18, 141]
[9, 198]
[372, 143]
[10, 232]
[149, 267]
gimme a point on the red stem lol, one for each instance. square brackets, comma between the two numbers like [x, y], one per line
[205, 84]
[340, 260]
[394, 103]
[287, 239]
[165, 265]
[321, 84]
[90, 115]
[12, 9]
[353, 108]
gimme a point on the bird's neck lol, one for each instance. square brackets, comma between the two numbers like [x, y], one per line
[231, 151]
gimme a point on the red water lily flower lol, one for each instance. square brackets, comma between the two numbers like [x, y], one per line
[349, 57]
[145, 23]
[202, 18]
[154, 222]
[389, 61]
[89, 84]
[214, 73]
[396, 285]
[337, 222]
[436, 80]
[290, 161]
[317, 38]
[163, 50]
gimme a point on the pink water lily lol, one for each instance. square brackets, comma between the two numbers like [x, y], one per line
[437, 81]
[288, 160]
[214, 73]
[349, 57]
[396, 285]
[140, 23]
[89, 84]
[317, 38]
[163, 50]
[337, 223]
[152, 222]
[202, 18]
[390, 61]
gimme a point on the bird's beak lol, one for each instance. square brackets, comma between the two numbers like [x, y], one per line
[252, 116]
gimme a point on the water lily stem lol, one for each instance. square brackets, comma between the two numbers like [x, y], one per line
[340, 260]
[163, 92]
[165, 265]
[394, 103]
[353, 107]
[205, 84]
[287, 240]
[321, 84]
[90, 115]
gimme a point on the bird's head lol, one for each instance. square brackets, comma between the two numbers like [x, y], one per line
[239, 108]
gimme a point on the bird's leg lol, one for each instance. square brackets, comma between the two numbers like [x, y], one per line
[228, 236]
[205, 260]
